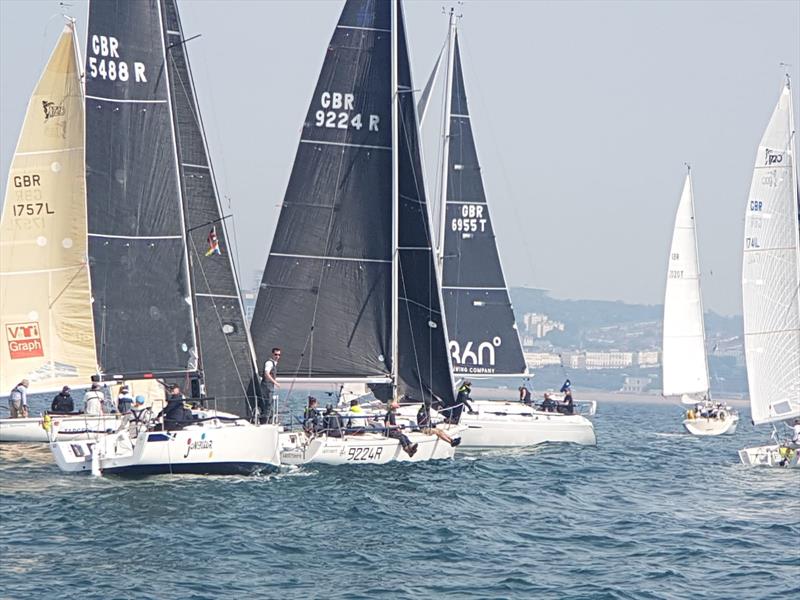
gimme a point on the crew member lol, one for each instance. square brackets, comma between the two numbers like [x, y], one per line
[18, 400]
[393, 431]
[267, 404]
[524, 395]
[63, 402]
[93, 401]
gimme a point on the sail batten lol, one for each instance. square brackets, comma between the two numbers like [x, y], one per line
[771, 272]
[46, 332]
[685, 365]
[484, 340]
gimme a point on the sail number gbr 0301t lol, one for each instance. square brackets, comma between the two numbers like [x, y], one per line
[106, 63]
[337, 113]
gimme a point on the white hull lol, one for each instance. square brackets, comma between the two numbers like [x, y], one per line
[706, 427]
[773, 455]
[498, 424]
[218, 447]
[297, 448]
[77, 427]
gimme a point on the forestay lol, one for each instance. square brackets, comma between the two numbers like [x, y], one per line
[46, 320]
[685, 367]
[480, 319]
[144, 319]
[771, 273]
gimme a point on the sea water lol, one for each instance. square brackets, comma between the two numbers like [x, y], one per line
[650, 512]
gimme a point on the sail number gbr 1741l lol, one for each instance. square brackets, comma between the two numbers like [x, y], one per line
[337, 113]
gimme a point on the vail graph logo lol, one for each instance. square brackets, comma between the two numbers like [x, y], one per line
[772, 158]
[51, 109]
[24, 340]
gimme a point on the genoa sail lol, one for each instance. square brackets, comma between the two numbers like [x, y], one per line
[325, 294]
[226, 355]
[143, 307]
[46, 319]
[771, 273]
[423, 368]
[480, 318]
[685, 366]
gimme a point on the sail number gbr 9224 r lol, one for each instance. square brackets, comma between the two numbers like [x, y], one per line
[337, 113]
[106, 63]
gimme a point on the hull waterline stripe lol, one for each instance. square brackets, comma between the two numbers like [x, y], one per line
[136, 237]
[346, 145]
[341, 258]
[123, 101]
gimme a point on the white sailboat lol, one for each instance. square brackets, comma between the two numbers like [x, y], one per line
[46, 331]
[684, 363]
[771, 288]
[484, 341]
[173, 311]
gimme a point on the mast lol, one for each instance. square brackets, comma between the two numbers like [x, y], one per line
[451, 36]
[699, 286]
[395, 140]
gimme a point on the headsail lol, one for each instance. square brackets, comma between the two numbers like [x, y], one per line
[771, 273]
[46, 320]
[480, 319]
[226, 354]
[685, 365]
[326, 290]
[423, 364]
[143, 309]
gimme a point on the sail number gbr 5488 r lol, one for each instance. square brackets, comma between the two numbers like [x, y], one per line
[337, 113]
[109, 66]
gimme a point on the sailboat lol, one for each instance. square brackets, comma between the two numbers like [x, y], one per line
[484, 341]
[350, 291]
[46, 330]
[685, 365]
[165, 294]
[771, 287]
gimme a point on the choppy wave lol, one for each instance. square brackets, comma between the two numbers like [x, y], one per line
[648, 513]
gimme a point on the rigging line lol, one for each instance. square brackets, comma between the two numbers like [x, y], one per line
[518, 220]
[219, 318]
[207, 223]
[329, 233]
[69, 283]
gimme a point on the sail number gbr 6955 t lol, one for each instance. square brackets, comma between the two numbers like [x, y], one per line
[337, 113]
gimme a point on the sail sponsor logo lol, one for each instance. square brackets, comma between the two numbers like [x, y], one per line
[471, 219]
[338, 110]
[51, 110]
[474, 358]
[772, 158]
[24, 340]
[771, 179]
[106, 63]
[201, 444]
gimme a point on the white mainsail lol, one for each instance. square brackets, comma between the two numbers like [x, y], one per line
[46, 327]
[685, 366]
[771, 273]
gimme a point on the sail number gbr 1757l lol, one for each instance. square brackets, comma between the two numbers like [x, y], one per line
[337, 113]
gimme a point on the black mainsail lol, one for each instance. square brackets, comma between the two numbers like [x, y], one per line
[227, 359]
[480, 319]
[166, 297]
[349, 226]
[143, 310]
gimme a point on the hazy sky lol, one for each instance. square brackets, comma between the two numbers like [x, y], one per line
[584, 114]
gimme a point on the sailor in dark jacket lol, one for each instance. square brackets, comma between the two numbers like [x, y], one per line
[332, 422]
[175, 415]
[63, 402]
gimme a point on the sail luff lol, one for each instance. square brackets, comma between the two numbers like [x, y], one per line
[448, 110]
[684, 364]
[424, 100]
[771, 273]
[46, 329]
[395, 137]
